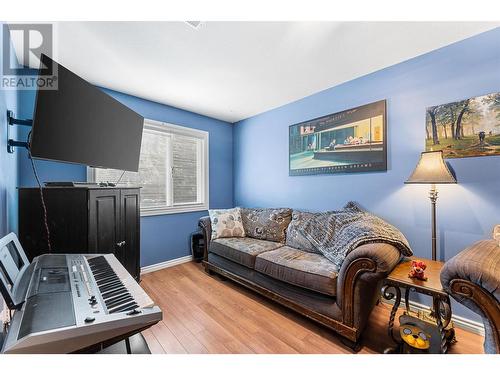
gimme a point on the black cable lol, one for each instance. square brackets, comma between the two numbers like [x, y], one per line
[116, 183]
[45, 220]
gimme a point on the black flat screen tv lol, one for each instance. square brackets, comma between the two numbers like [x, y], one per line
[79, 123]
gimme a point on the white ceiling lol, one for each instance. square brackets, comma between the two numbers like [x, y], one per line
[234, 70]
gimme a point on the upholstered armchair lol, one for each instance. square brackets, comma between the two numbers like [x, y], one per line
[473, 279]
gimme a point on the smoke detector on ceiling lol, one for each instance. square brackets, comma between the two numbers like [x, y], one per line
[194, 24]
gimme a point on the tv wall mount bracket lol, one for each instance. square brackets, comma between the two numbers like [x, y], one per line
[11, 121]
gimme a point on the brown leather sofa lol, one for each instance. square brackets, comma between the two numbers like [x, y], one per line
[306, 282]
[472, 278]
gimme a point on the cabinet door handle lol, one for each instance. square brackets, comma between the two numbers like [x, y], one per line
[120, 244]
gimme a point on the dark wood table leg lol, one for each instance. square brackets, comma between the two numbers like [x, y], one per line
[407, 300]
[445, 315]
[390, 328]
[440, 326]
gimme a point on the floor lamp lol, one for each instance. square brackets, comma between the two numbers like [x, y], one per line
[432, 169]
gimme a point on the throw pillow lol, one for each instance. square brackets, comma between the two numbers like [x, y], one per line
[226, 223]
[266, 223]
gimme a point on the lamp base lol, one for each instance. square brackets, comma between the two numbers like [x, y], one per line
[433, 195]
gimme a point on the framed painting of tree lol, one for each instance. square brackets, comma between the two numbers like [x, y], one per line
[466, 128]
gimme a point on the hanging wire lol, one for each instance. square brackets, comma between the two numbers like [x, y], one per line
[117, 182]
[45, 217]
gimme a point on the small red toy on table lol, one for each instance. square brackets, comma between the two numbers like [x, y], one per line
[417, 270]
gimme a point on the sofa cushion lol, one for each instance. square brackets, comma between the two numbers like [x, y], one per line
[294, 237]
[242, 250]
[226, 223]
[301, 268]
[266, 223]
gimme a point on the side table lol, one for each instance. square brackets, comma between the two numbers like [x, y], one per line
[398, 280]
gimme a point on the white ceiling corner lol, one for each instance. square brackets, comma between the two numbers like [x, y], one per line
[235, 70]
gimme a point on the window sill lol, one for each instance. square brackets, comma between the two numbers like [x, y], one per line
[173, 210]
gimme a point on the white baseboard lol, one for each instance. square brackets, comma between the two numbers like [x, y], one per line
[166, 264]
[459, 321]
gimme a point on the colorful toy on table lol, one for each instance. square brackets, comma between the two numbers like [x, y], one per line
[417, 270]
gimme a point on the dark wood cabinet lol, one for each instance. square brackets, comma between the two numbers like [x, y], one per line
[83, 220]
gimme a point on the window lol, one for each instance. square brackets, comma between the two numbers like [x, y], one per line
[173, 170]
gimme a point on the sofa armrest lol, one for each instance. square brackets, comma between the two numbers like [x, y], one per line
[472, 278]
[359, 279]
[479, 264]
[206, 228]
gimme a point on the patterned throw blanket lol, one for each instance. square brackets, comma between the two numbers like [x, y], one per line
[336, 233]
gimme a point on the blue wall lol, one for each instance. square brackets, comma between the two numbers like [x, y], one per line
[8, 162]
[163, 237]
[466, 212]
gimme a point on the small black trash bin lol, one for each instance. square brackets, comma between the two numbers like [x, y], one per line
[197, 246]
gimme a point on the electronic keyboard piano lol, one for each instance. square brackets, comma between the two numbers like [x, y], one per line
[65, 303]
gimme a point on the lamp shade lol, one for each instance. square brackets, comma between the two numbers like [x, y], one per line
[431, 169]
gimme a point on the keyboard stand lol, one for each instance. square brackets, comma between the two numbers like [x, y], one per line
[135, 344]
[127, 345]
[2, 337]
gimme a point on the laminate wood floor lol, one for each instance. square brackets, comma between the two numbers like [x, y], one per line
[203, 314]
